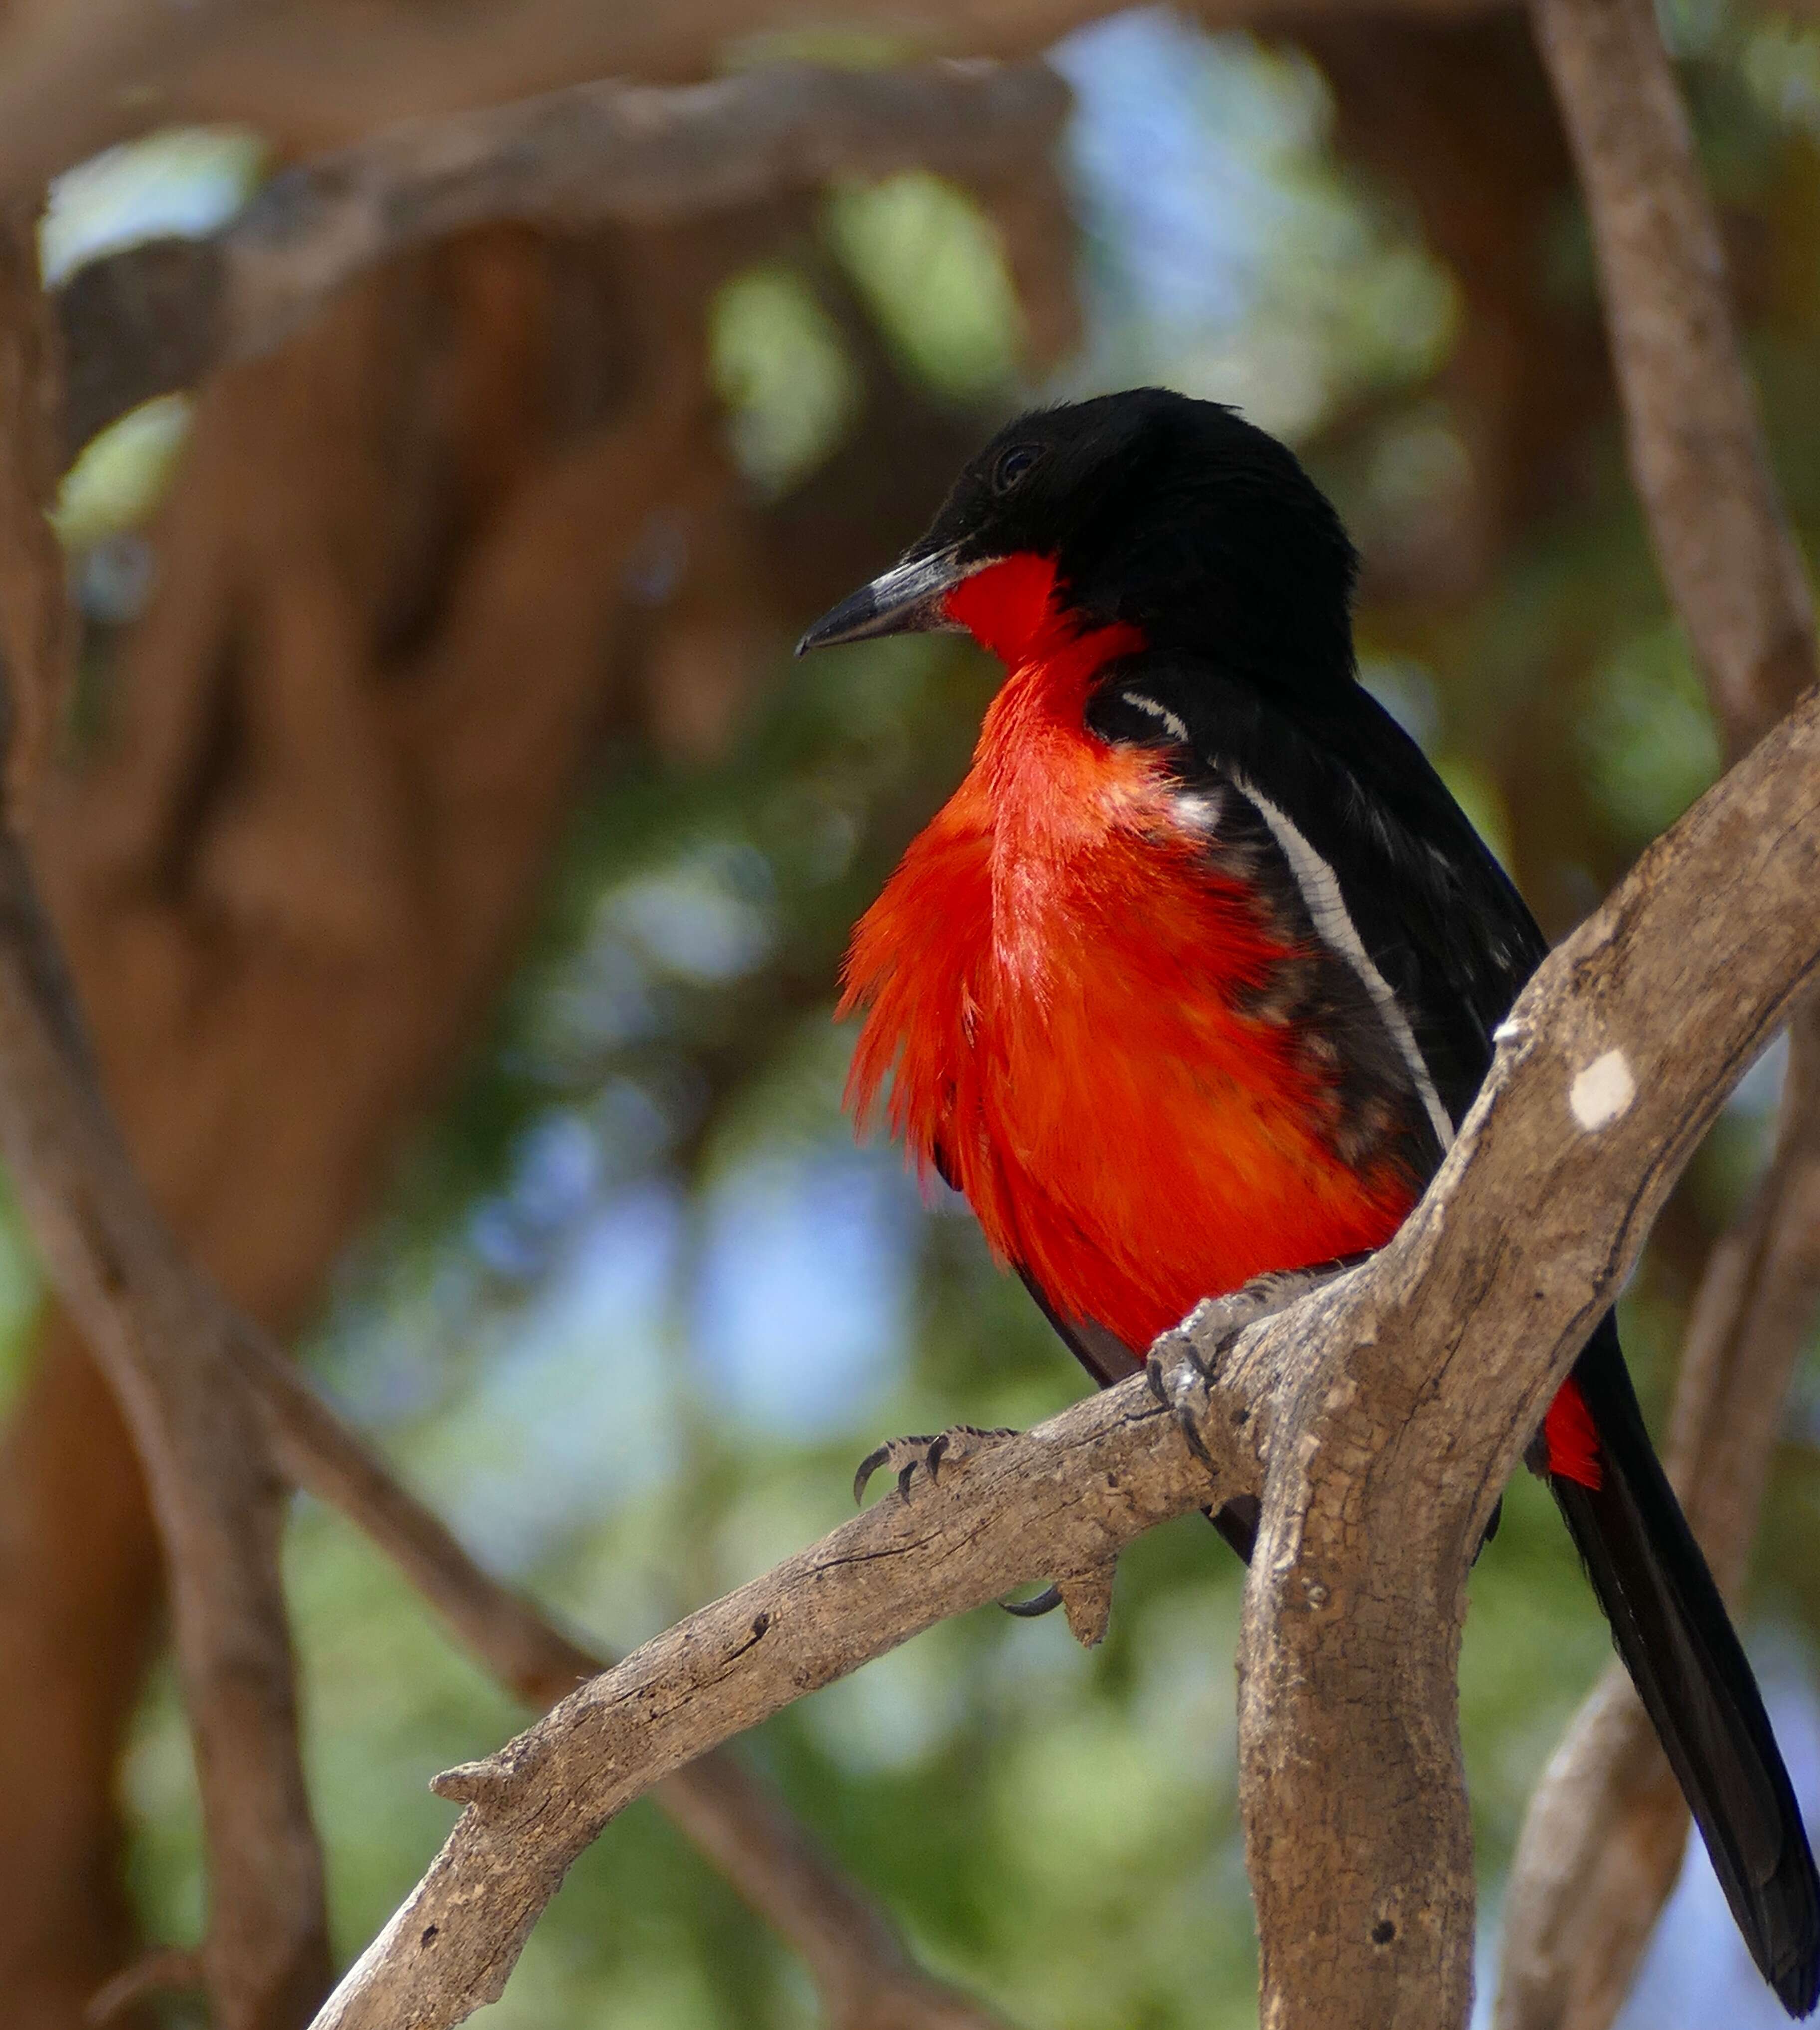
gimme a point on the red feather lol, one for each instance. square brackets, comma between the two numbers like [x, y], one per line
[1058, 981]
[1571, 1438]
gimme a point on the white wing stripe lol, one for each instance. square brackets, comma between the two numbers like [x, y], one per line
[1177, 728]
[1333, 924]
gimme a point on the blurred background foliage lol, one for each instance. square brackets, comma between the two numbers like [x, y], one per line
[638, 1303]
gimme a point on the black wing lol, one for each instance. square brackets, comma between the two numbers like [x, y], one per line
[1346, 819]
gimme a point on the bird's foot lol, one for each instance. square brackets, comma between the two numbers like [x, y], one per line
[906, 1457]
[1183, 1363]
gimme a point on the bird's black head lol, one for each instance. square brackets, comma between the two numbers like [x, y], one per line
[1174, 516]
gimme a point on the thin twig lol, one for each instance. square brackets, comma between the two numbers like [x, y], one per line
[1602, 1841]
[1390, 1408]
[160, 316]
[162, 1340]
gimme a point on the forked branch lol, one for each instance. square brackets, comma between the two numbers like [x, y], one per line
[1386, 1412]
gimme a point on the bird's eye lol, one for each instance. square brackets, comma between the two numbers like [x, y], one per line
[1013, 464]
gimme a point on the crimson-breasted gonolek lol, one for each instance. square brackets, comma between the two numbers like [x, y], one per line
[1195, 975]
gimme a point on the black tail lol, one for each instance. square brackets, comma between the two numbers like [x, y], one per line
[1676, 1641]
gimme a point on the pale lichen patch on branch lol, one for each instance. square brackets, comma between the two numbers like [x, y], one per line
[1602, 1091]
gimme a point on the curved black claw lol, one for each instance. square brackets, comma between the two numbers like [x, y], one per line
[1183, 1363]
[906, 1457]
[891, 1449]
[1172, 1359]
[1038, 1604]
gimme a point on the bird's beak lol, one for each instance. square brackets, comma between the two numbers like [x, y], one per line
[907, 600]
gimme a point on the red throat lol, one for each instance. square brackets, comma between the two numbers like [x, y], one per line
[1014, 609]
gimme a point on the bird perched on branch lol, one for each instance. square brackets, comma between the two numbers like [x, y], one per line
[1191, 982]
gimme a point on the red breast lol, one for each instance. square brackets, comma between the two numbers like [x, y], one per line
[1058, 979]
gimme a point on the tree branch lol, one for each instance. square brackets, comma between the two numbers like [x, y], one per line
[76, 77]
[36, 640]
[1387, 1410]
[161, 1337]
[1060, 1501]
[866, 1978]
[162, 315]
[1602, 1841]
[1695, 438]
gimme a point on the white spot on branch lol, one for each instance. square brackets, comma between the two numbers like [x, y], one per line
[1602, 1091]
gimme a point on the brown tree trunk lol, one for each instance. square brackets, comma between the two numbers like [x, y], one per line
[78, 1605]
[392, 610]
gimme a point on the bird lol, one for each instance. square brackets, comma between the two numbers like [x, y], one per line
[1189, 983]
